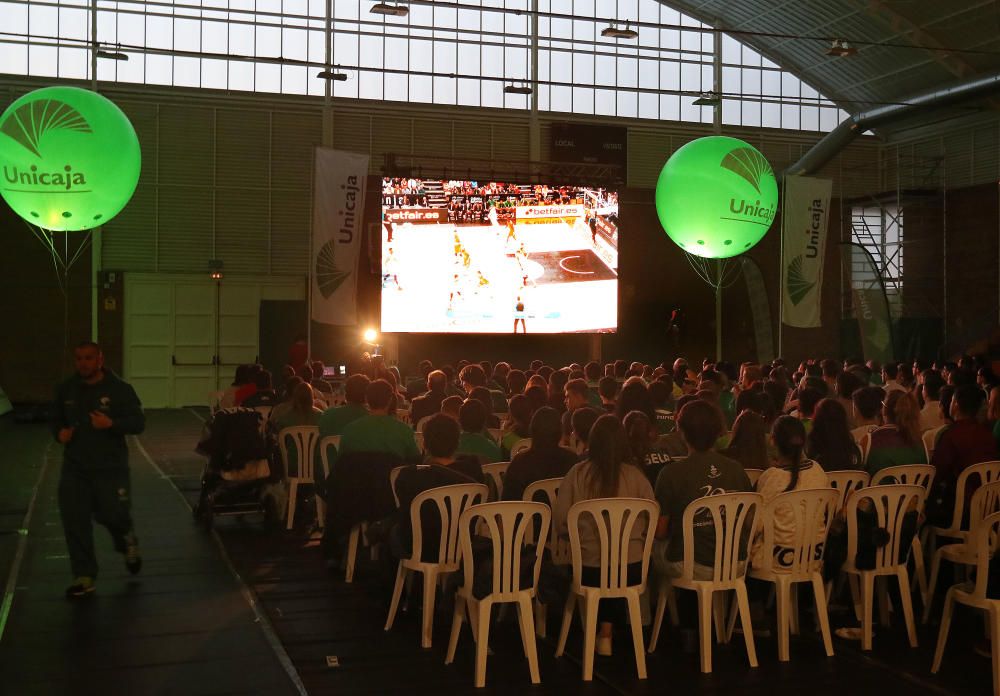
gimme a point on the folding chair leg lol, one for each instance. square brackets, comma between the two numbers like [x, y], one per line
[661, 605]
[705, 629]
[744, 600]
[783, 601]
[526, 619]
[567, 620]
[822, 613]
[635, 621]
[793, 609]
[949, 608]
[589, 635]
[932, 585]
[482, 641]
[867, 599]
[427, 620]
[457, 617]
[397, 592]
[293, 488]
[907, 601]
[352, 553]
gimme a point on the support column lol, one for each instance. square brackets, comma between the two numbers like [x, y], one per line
[534, 127]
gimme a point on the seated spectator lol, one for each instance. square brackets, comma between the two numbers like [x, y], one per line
[748, 443]
[606, 473]
[867, 403]
[634, 396]
[592, 372]
[792, 472]
[930, 414]
[673, 443]
[662, 399]
[318, 383]
[451, 406]
[963, 444]
[583, 420]
[556, 390]
[430, 402]
[846, 384]
[446, 469]
[242, 387]
[519, 426]
[642, 438]
[334, 420]
[607, 389]
[264, 395]
[699, 424]
[300, 411]
[483, 396]
[830, 442]
[517, 382]
[286, 402]
[417, 385]
[574, 397]
[898, 441]
[808, 398]
[472, 376]
[544, 459]
[474, 440]
[890, 377]
[379, 431]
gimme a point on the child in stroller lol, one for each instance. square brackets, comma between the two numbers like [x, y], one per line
[238, 468]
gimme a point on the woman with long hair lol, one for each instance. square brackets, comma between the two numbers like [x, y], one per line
[792, 472]
[301, 410]
[643, 441]
[519, 426]
[748, 443]
[830, 441]
[898, 441]
[608, 472]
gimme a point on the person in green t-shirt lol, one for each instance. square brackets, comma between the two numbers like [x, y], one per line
[378, 431]
[334, 420]
[472, 418]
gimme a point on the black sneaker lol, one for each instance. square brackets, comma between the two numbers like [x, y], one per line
[81, 587]
[133, 561]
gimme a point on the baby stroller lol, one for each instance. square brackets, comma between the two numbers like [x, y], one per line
[238, 472]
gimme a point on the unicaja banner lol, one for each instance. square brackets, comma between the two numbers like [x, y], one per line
[338, 209]
[804, 223]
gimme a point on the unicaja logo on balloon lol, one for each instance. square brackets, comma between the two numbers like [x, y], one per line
[70, 158]
[749, 164]
[27, 126]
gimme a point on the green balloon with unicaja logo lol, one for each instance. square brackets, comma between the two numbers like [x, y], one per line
[716, 197]
[69, 158]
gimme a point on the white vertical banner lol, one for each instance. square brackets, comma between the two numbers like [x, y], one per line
[804, 228]
[338, 209]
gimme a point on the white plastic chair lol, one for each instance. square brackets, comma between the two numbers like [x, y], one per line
[520, 446]
[324, 452]
[559, 552]
[845, 483]
[423, 421]
[403, 415]
[891, 504]
[912, 475]
[509, 525]
[419, 438]
[813, 510]
[496, 472]
[930, 438]
[737, 516]
[753, 475]
[986, 472]
[305, 438]
[394, 474]
[615, 520]
[984, 543]
[985, 502]
[451, 502]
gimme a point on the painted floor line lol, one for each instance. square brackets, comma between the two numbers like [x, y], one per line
[260, 617]
[22, 544]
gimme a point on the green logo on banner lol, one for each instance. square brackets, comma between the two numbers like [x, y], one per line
[29, 122]
[328, 276]
[798, 285]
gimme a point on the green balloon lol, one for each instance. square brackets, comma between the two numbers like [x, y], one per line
[70, 158]
[716, 197]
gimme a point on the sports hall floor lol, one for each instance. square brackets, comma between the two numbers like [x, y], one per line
[248, 611]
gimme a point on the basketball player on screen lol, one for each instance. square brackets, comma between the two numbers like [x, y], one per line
[519, 315]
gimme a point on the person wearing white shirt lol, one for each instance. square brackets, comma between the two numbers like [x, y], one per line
[890, 371]
[930, 415]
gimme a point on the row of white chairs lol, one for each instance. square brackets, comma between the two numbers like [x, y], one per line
[909, 492]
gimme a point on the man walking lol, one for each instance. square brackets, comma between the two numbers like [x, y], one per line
[94, 411]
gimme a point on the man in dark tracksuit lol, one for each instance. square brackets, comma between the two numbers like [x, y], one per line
[94, 411]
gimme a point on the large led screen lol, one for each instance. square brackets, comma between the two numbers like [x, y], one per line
[491, 257]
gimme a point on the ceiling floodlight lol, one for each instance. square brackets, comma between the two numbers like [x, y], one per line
[384, 8]
[613, 32]
[707, 99]
[841, 48]
[331, 75]
[517, 89]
